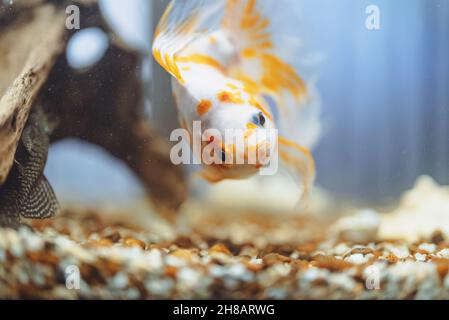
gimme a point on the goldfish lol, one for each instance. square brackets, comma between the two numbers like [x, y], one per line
[235, 64]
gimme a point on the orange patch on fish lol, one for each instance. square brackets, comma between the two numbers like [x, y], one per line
[201, 59]
[168, 63]
[251, 126]
[249, 85]
[249, 53]
[203, 107]
[232, 86]
[230, 97]
[212, 40]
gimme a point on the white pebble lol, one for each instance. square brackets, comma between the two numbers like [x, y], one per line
[429, 247]
[361, 227]
[240, 272]
[357, 258]
[155, 259]
[443, 253]
[175, 262]
[120, 281]
[401, 252]
[188, 277]
[159, 286]
[420, 257]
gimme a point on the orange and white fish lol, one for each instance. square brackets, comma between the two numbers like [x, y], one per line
[234, 65]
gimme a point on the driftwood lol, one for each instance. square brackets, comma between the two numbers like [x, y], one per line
[28, 50]
[102, 105]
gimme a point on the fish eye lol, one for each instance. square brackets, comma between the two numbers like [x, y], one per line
[261, 119]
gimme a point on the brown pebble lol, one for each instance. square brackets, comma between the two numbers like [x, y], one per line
[330, 263]
[43, 257]
[219, 247]
[253, 267]
[114, 236]
[101, 243]
[64, 230]
[131, 242]
[442, 266]
[392, 258]
[284, 250]
[274, 258]
[41, 225]
[306, 247]
[111, 268]
[183, 254]
[300, 264]
[184, 242]
[171, 271]
[437, 237]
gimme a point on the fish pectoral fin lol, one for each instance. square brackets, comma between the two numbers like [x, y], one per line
[299, 161]
[41, 203]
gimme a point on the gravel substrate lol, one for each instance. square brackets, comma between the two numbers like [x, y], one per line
[256, 256]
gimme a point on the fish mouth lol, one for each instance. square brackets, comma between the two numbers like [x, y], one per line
[258, 159]
[227, 156]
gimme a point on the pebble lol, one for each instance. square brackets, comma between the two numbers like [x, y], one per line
[266, 270]
[361, 227]
[240, 272]
[358, 258]
[131, 242]
[221, 248]
[154, 259]
[429, 247]
[443, 253]
[160, 287]
[188, 277]
[420, 257]
[175, 261]
[400, 251]
[120, 281]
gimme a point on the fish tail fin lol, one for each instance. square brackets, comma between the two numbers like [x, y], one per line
[182, 23]
[299, 162]
[275, 63]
